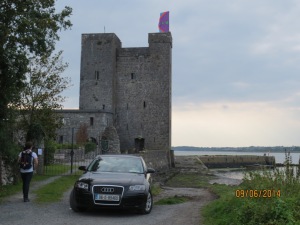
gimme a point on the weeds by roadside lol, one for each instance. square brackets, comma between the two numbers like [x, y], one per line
[268, 197]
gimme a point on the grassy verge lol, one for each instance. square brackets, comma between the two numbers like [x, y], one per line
[155, 189]
[12, 189]
[54, 191]
[172, 200]
[50, 171]
[191, 180]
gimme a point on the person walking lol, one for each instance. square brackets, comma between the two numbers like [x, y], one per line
[28, 162]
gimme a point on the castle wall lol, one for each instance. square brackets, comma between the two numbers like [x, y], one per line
[144, 94]
[96, 122]
[98, 69]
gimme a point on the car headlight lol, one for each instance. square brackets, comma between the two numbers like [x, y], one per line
[82, 185]
[137, 188]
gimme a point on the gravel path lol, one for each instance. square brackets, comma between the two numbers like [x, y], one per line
[14, 211]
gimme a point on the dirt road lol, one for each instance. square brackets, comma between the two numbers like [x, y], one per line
[15, 212]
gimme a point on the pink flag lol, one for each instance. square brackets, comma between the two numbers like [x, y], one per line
[164, 22]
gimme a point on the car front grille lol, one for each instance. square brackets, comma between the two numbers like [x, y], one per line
[109, 194]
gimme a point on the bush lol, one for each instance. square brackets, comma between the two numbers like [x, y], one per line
[90, 147]
[265, 211]
[50, 148]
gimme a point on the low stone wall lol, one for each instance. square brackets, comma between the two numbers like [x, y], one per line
[235, 161]
[160, 160]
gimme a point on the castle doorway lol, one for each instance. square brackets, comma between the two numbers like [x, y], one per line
[139, 144]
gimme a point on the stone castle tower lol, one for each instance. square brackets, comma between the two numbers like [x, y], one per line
[125, 88]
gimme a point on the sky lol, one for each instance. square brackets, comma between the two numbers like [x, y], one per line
[235, 64]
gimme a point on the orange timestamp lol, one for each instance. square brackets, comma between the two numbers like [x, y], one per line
[253, 193]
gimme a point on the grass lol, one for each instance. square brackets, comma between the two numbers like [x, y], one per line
[172, 200]
[187, 180]
[155, 189]
[192, 180]
[268, 197]
[50, 171]
[8, 190]
[55, 190]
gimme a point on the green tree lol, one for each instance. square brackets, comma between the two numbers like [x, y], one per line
[41, 96]
[28, 28]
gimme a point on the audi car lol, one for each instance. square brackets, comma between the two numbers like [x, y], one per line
[114, 181]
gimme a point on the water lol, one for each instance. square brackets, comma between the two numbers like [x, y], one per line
[234, 177]
[279, 156]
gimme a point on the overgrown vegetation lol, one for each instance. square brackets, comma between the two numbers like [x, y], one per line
[267, 197]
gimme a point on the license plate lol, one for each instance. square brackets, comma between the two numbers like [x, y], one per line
[102, 197]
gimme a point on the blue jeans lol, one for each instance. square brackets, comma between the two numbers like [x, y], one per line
[26, 178]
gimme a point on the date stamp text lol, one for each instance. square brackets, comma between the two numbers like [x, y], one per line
[253, 193]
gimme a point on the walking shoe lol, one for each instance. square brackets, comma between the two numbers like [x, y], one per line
[26, 200]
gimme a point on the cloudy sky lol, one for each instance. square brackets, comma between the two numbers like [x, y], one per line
[236, 64]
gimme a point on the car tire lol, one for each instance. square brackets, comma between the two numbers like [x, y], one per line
[148, 204]
[73, 205]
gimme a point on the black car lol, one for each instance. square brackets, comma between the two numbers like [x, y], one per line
[113, 181]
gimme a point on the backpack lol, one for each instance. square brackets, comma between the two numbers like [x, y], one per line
[26, 160]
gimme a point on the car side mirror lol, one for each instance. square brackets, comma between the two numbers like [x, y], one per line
[150, 170]
[82, 168]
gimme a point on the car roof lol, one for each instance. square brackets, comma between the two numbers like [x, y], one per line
[119, 156]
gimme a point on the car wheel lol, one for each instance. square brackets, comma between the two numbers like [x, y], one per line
[148, 204]
[73, 205]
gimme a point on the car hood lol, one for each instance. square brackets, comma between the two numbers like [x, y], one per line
[123, 179]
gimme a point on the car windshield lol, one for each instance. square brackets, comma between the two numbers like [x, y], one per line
[117, 164]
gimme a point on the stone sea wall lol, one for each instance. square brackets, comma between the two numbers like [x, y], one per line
[235, 161]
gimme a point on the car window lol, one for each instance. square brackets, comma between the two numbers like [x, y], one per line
[117, 164]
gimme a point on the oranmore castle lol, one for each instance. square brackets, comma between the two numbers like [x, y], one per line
[125, 94]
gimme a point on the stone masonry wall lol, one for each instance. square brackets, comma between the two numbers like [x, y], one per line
[158, 159]
[97, 74]
[144, 94]
[74, 118]
[6, 174]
